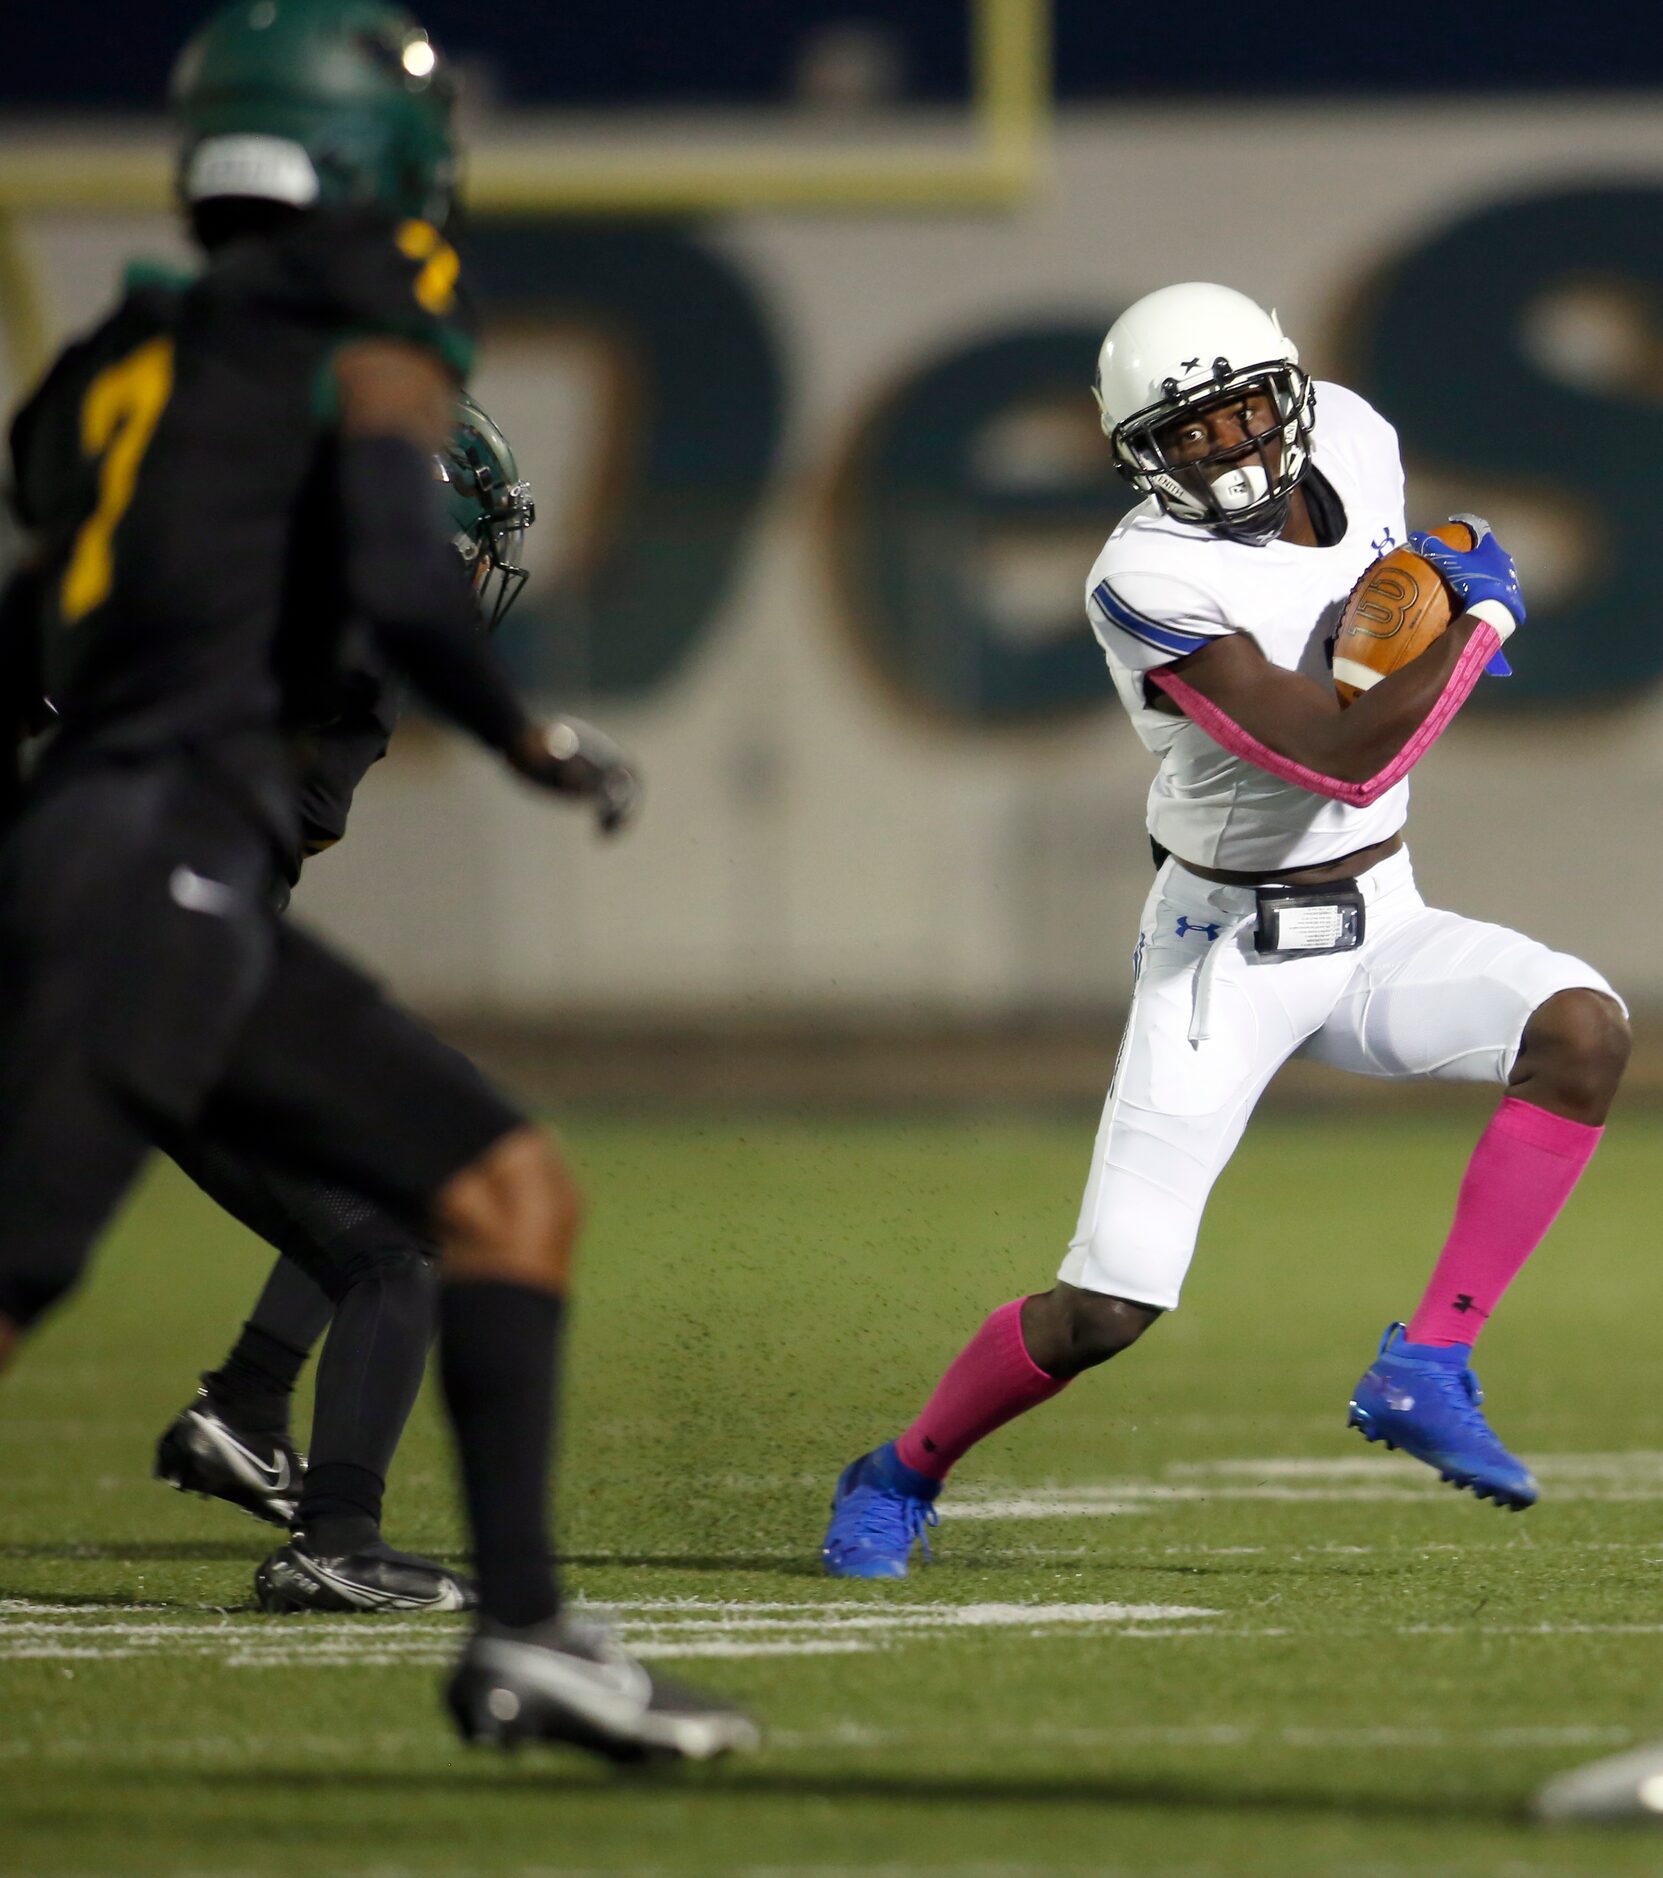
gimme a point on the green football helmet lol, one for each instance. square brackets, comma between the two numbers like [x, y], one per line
[490, 508]
[316, 103]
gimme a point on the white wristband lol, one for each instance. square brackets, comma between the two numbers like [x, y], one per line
[1493, 613]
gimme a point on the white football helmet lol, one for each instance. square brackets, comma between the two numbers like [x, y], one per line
[1192, 345]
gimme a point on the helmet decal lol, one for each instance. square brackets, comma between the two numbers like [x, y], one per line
[274, 169]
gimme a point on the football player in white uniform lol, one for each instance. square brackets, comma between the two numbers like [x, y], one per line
[1284, 916]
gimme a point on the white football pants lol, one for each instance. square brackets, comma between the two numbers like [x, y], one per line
[1426, 994]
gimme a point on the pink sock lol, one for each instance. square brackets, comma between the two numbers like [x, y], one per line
[991, 1381]
[1520, 1175]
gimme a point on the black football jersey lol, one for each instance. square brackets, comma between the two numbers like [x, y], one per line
[177, 466]
[336, 755]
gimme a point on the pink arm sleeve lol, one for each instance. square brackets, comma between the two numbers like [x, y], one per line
[1224, 730]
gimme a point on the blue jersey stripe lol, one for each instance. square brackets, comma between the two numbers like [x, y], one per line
[1162, 638]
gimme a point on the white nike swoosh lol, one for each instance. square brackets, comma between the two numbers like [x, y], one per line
[269, 1476]
[198, 894]
[611, 1693]
[615, 1695]
[447, 1598]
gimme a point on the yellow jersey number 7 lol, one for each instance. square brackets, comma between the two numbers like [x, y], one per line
[118, 417]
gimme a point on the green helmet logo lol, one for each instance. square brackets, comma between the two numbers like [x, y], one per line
[316, 102]
[490, 509]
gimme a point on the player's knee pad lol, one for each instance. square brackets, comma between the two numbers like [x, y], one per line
[1138, 1244]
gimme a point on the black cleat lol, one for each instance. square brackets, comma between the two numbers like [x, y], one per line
[374, 1578]
[202, 1452]
[564, 1681]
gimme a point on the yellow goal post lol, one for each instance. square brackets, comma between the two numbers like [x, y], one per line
[994, 161]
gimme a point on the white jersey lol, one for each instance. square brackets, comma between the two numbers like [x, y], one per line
[1161, 589]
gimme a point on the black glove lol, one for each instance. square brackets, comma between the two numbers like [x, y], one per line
[575, 759]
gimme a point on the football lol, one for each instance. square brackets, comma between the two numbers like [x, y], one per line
[1401, 604]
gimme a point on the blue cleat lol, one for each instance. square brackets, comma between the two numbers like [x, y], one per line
[880, 1509]
[1425, 1400]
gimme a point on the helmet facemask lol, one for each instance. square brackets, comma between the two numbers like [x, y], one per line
[491, 516]
[490, 508]
[499, 587]
[492, 547]
[1243, 488]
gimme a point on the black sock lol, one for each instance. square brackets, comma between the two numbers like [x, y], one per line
[340, 1508]
[252, 1387]
[499, 1355]
[293, 1308]
[368, 1379]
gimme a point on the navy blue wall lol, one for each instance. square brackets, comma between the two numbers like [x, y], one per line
[744, 50]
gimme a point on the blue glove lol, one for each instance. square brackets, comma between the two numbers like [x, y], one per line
[1482, 572]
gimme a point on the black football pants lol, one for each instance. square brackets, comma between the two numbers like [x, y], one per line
[152, 996]
[350, 1268]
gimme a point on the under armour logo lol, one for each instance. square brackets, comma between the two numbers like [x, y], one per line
[1186, 925]
[1189, 365]
[1464, 1302]
[1384, 543]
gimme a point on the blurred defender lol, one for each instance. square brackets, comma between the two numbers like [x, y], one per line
[1284, 915]
[248, 480]
[347, 1265]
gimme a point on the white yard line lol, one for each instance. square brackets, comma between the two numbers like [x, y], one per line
[1365, 1479]
[855, 1737]
[1218, 1735]
[251, 1646]
[956, 1616]
[1044, 1506]
[37, 1629]
[1132, 1497]
[1636, 1467]
[669, 1616]
[1127, 1498]
[1640, 1463]
[970, 1613]
[435, 1654]
[432, 1654]
[27, 1607]
[656, 1627]
[739, 1647]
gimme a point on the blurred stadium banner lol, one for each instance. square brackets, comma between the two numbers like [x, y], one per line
[818, 494]
[992, 159]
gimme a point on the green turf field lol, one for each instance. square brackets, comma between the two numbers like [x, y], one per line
[1181, 1621]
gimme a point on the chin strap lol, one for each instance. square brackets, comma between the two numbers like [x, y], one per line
[1484, 644]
